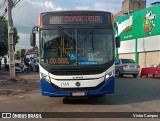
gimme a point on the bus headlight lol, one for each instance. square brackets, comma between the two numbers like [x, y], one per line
[108, 75]
[47, 78]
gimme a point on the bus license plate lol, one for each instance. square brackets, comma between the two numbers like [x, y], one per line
[78, 93]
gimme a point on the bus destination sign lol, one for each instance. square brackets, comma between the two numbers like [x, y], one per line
[74, 19]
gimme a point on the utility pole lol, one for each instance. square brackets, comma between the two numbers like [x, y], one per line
[10, 41]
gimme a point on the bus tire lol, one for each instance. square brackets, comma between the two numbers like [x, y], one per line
[66, 100]
[102, 95]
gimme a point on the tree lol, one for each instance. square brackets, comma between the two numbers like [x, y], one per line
[17, 56]
[4, 47]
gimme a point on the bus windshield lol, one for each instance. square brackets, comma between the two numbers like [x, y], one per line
[77, 47]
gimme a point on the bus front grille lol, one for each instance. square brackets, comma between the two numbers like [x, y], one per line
[78, 89]
[75, 72]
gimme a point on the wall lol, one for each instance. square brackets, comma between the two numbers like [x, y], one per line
[127, 47]
[149, 43]
[148, 58]
[128, 55]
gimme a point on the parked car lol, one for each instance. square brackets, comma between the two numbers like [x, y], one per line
[126, 67]
[34, 64]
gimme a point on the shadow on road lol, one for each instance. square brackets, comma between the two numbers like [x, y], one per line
[127, 90]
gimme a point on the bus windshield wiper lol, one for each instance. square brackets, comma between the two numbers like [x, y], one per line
[63, 33]
[61, 30]
[83, 39]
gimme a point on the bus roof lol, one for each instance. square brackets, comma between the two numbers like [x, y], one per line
[76, 11]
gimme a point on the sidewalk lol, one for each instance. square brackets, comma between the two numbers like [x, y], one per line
[4, 75]
[23, 83]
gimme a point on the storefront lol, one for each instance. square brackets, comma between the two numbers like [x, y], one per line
[140, 36]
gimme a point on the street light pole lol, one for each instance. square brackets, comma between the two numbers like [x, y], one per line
[10, 41]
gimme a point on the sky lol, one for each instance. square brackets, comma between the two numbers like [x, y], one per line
[25, 13]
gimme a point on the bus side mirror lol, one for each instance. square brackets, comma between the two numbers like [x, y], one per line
[33, 39]
[118, 42]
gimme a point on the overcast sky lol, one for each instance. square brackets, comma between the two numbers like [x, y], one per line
[26, 12]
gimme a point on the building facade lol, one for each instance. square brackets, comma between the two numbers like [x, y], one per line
[140, 36]
[129, 6]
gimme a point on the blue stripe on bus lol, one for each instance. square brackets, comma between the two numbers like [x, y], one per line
[48, 90]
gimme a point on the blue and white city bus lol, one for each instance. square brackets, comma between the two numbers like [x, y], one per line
[77, 53]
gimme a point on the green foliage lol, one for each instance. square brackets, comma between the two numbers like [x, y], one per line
[17, 55]
[4, 48]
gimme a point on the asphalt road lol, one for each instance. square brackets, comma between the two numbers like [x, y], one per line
[131, 95]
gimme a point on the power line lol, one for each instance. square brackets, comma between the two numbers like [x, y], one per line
[16, 3]
[2, 6]
[13, 4]
[5, 12]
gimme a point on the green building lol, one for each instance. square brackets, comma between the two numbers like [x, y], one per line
[140, 36]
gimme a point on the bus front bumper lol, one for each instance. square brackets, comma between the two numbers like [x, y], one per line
[49, 90]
